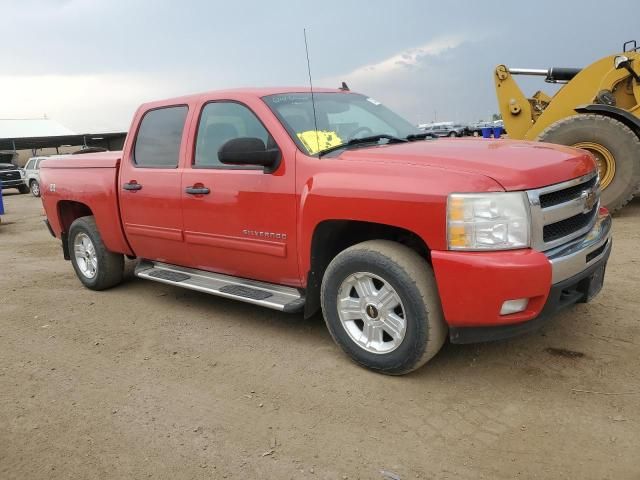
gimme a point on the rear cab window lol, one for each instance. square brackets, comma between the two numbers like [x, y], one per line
[159, 137]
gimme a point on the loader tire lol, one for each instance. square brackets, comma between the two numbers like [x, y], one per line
[615, 146]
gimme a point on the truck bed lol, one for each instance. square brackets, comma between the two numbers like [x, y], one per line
[87, 160]
[80, 185]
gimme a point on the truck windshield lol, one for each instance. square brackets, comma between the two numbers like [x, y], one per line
[340, 117]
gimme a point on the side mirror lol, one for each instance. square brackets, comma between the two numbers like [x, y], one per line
[621, 61]
[249, 151]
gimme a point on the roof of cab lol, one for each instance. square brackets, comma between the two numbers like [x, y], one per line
[235, 92]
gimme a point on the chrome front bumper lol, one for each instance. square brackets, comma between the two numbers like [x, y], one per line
[572, 258]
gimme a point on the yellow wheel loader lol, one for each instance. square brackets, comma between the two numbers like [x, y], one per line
[597, 109]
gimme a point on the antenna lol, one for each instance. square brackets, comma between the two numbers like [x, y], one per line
[313, 101]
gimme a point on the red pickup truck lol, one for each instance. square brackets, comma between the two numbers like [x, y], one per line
[303, 201]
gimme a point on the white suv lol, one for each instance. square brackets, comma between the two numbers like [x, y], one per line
[32, 173]
[32, 168]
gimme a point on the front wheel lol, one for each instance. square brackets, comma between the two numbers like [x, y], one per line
[381, 306]
[23, 189]
[35, 188]
[96, 267]
[453, 134]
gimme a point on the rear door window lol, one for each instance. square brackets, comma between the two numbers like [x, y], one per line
[159, 137]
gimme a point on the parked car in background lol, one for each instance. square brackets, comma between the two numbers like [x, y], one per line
[32, 175]
[32, 170]
[11, 176]
[443, 129]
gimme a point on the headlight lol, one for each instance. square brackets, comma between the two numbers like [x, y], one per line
[488, 221]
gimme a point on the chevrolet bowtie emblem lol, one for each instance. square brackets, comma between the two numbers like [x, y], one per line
[590, 199]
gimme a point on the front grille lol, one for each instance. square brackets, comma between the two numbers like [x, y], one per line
[561, 196]
[568, 226]
[563, 212]
[10, 175]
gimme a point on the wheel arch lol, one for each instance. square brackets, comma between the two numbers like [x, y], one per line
[331, 237]
[616, 113]
[68, 212]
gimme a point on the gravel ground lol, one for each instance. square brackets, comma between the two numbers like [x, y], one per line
[147, 380]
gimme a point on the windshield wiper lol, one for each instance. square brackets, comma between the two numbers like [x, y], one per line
[362, 140]
[419, 136]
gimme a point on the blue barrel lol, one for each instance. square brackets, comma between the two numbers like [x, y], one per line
[486, 132]
[1, 204]
[497, 131]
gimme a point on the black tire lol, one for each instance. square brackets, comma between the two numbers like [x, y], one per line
[23, 189]
[34, 187]
[616, 137]
[110, 265]
[413, 280]
[453, 134]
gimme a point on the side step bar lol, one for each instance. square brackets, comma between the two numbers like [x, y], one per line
[277, 297]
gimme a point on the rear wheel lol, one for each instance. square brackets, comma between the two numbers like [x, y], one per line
[96, 267]
[381, 306]
[34, 186]
[615, 147]
[453, 134]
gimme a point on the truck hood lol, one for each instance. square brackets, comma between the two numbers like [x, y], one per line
[515, 165]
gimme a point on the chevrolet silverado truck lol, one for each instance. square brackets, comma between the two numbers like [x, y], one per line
[303, 201]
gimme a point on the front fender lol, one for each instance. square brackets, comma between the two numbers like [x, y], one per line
[410, 197]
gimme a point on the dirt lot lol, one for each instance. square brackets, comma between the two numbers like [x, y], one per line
[148, 380]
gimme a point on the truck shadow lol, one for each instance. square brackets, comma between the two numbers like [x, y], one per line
[527, 357]
[12, 193]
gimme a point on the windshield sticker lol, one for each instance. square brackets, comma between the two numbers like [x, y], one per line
[374, 101]
[289, 98]
[317, 140]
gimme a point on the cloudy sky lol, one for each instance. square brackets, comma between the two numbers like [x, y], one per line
[89, 63]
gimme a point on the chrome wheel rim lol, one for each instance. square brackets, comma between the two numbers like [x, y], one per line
[371, 312]
[86, 257]
[35, 189]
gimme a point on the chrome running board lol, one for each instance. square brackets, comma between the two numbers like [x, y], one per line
[277, 297]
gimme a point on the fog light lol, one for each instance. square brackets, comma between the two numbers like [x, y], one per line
[514, 306]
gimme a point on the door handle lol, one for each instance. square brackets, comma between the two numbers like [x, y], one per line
[197, 190]
[132, 186]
